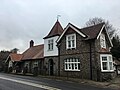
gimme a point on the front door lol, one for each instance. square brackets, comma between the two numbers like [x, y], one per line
[50, 67]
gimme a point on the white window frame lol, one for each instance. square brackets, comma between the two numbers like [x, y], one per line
[102, 41]
[70, 40]
[10, 64]
[72, 64]
[35, 64]
[108, 61]
[50, 45]
[27, 64]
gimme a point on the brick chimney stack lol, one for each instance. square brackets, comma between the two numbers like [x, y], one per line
[31, 43]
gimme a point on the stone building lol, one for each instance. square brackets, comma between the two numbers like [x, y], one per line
[73, 52]
[85, 53]
[33, 58]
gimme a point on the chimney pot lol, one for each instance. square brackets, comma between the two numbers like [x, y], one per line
[31, 43]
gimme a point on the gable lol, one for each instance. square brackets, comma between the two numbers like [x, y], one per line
[73, 28]
[105, 32]
[55, 31]
[14, 57]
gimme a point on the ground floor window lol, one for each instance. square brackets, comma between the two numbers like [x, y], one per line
[106, 63]
[72, 64]
[35, 64]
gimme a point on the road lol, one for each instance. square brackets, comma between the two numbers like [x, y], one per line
[17, 82]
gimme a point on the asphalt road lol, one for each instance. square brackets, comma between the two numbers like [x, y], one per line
[17, 82]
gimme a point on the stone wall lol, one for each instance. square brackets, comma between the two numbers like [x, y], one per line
[55, 65]
[82, 51]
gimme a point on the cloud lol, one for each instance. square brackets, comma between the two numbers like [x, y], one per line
[23, 20]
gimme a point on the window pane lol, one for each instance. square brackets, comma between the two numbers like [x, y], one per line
[68, 37]
[104, 65]
[48, 41]
[66, 66]
[73, 43]
[70, 60]
[69, 44]
[104, 58]
[73, 37]
[72, 66]
[110, 58]
[51, 46]
[67, 60]
[48, 46]
[69, 66]
[51, 41]
[78, 66]
[76, 60]
[110, 65]
[75, 65]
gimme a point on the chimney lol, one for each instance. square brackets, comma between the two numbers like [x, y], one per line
[31, 43]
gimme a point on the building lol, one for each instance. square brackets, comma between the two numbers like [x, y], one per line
[51, 50]
[85, 53]
[13, 62]
[33, 57]
[72, 52]
[81, 53]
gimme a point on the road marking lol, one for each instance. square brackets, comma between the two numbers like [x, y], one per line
[31, 84]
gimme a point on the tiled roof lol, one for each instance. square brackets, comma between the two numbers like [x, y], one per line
[15, 57]
[55, 31]
[92, 31]
[35, 52]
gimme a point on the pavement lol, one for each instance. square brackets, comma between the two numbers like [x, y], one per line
[112, 85]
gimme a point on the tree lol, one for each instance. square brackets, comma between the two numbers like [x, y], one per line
[3, 56]
[111, 30]
[15, 50]
[116, 47]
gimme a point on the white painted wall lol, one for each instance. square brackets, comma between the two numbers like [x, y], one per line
[10, 64]
[54, 52]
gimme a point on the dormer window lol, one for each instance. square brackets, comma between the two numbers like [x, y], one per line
[71, 41]
[50, 45]
[102, 41]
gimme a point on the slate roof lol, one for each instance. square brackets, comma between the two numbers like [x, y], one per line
[55, 31]
[35, 52]
[15, 57]
[92, 31]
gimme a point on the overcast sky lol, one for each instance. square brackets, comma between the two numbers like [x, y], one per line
[23, 20]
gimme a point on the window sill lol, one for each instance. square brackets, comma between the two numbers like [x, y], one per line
[72, 70]
[107, 71]
[49, 50]
[71, 48]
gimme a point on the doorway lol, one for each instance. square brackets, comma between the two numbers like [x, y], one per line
[51, 67]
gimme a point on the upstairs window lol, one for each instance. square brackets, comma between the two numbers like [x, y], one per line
[106, 63]
[72, 64]
[50, 45]
[71, 41]
[102, 41]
